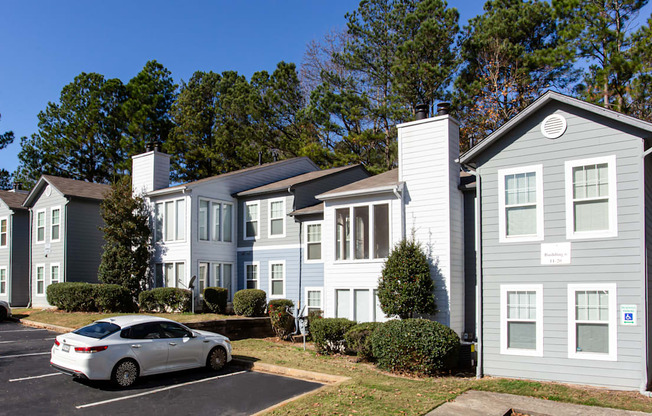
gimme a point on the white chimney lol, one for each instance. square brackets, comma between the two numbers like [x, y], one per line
[150, 171]
[434, 211]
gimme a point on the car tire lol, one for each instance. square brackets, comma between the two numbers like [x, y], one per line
[216, 359]
[3, 314]
[125, 373]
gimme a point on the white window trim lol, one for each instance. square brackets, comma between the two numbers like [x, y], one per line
[538, 351]
[319, 289]
[208, 276]
[36, 280]
[305, 241]
[269, 218]
[6, 232]
[45, 227]
[372, 250]
[502, 226]
[6, 270]
[269, 278]
[51, 224]
[244, 221]
[352, 290]
[50, 268]
[252, 263]
[613, 322]
[571, 234]
[164, 237]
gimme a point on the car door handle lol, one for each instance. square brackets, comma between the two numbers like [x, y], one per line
[173, 343]
[206, 340]
[135, 346]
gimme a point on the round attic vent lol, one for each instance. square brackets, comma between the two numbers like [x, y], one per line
[553, 126]
[48, 190]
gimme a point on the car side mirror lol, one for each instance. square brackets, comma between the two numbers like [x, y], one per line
[193, 334]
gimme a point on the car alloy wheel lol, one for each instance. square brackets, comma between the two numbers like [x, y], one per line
[125, 373]
[217, 358]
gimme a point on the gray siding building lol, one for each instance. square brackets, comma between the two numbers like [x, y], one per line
[14, 248]
[564, 211]
[66, 242]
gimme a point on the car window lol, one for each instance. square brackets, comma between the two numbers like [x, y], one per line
[174, 330]
[98, 330]
[142, 331]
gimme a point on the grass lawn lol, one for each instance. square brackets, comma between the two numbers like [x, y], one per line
[79, 319]
[372, 392]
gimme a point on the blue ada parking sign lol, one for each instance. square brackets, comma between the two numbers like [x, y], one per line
[628, 314]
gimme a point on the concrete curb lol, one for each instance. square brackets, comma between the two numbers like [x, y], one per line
[290, 372]
[55, 328]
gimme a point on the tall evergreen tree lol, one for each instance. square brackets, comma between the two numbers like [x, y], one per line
[640, 90]
[511, 54]
[125, 260]
[5, 177]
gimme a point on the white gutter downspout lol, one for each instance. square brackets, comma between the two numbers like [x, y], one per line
[399, 194]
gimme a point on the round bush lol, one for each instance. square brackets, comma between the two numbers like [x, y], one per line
[215, 299]
[113, 298]
[417, 346]
[358, 339]
[281, 319]
[250, 302]
[328, 334]
[72, 296]
[165, 299]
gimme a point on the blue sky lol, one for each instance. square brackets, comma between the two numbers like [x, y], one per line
[45, 44]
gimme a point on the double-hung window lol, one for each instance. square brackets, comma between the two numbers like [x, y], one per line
[3, 232]
[521, 320]
[314, 300]
[251, 218]
[313, 241]
[251, 271]
[203, 277]
[520, 204]
[40, 226]
[369, 229]
[55, 224]
[3, 280]
[591, 198]
[55, 273]
[592, 321]
[277, 217]
[40, 279]
[277, 279]
[158, 222]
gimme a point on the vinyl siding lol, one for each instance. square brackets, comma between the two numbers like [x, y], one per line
[84, 241]
[304, 194]
[19, 269]
[264, 239]
[596, 260]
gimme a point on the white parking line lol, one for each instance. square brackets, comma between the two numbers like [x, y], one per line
[117, 399]
[22, 330]
[6, 342]
[24, 355]
[31, 378]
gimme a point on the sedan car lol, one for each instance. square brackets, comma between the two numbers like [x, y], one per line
[123, 348]
[5, 310]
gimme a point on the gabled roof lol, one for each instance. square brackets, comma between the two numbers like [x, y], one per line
[285, 184]
[231, 174]
[14, 200]
[383, 182]
[540, 102]
[71, 188]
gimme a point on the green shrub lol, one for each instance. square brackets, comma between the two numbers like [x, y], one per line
[417, 346]
[312, 316]
[215, 299]
[72, 296]
[358, 339]
[328, 334]
[281, 319]
[165, 299]
[113, 298]
[250, 302]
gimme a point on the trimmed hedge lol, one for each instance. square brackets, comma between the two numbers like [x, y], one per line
[250, 302]
[165, 299]
[328, 334]
[358, 339]
[415, 345]
[90, 297]
[215, 299]
[279, 311]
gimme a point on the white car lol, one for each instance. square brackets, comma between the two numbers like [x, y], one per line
[5, 310]
[125, 347]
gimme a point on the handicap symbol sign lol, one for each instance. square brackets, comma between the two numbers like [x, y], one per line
[629, 316]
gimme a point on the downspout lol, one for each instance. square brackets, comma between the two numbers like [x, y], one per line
[31, 222]
[10, 269]
[399, 195]
[646, 301]
[294, 204]
[65, 242]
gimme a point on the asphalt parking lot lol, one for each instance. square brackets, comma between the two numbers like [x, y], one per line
[28, 385]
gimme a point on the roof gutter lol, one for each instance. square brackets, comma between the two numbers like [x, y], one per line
[168, 191]
[370, 191]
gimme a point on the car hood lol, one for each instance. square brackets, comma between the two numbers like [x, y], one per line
[208, 334]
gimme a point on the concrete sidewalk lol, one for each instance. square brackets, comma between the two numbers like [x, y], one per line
[482, 403]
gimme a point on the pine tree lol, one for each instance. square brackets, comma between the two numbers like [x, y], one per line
[125, 260]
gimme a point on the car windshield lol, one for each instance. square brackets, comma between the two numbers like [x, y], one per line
[98, 330]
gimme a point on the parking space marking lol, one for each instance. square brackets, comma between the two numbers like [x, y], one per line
[6, 342]
[23, 355]
[117, 399]
[31, 378]
[22, 330]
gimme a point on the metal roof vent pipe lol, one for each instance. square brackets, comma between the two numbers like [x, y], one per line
[421, 111]
[443, 109]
